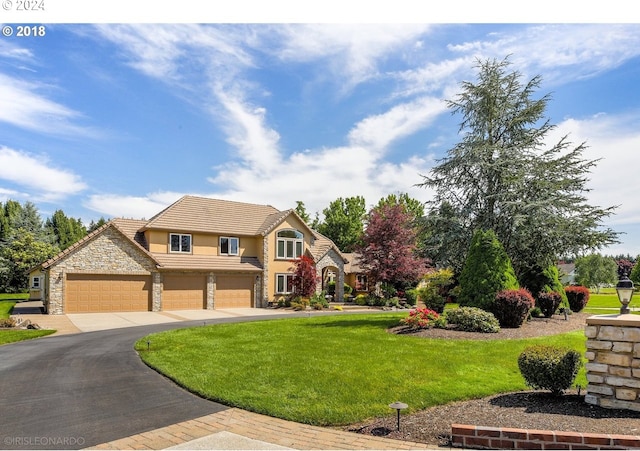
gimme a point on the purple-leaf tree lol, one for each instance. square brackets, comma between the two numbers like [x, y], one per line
[388, 244]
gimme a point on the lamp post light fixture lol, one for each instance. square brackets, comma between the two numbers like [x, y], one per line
[624, 288]
[398, 406]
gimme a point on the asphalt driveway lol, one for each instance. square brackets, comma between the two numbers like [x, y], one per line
[79, 390]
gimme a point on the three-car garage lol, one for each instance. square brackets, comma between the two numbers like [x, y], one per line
[94, 293]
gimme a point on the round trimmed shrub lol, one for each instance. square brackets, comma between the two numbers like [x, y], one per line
[512, 307]
[578, 297]
[548, 302]
[472, 319]
[548, 367]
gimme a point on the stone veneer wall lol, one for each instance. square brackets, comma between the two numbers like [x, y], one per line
[107, 253]
[613, 370]
[332, 259]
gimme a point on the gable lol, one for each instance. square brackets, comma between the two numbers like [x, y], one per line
[105, 250]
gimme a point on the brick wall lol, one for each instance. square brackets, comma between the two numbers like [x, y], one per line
[613, 370]
[479, 437]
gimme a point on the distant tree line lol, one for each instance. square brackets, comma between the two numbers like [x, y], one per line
[27, 240]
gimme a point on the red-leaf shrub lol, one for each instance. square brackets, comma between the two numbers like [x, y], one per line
[578, 296]
[512, 307]
[421, 318]
[548, 302]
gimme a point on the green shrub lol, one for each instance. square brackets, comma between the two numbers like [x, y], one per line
[434, 293]
[361, 299]
[318, 301]
[411, 296]
[536, 313]
[578, 297]
[299, 303]
[512, 307]
[487, 271]
[549, 367]
[548, 302]
[472, 319]
[538, 279]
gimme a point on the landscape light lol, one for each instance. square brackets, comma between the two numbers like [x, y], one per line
[624, 288]
[398, 406]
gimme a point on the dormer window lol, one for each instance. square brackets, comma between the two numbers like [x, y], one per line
[229, 245]
[180, 243]
[289, 244]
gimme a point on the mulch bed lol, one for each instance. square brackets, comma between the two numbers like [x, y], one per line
[526, 410]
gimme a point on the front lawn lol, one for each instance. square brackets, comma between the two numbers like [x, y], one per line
[336, 370]
[12, 335]
[606, 302]
[5, 308]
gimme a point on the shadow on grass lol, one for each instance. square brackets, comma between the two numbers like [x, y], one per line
[567, 404]
[378, 323]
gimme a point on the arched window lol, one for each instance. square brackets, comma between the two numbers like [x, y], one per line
[289, 244]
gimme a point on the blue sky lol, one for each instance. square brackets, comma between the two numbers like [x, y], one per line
[120, 119]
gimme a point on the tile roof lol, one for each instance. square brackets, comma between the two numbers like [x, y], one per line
[201, 214]
[208, 262]
[353, 265]
[322, 245]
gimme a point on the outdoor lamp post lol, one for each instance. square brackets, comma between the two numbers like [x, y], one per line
[398, 406]
[624, 288]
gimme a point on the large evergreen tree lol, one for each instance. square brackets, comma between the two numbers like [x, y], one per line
[504, 176]
[66, 230]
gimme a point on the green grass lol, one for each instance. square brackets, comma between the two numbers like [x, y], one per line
[14, 296]
[336, 370]
[10, 335]
[7, 302]
[5, 308]
[606, 302]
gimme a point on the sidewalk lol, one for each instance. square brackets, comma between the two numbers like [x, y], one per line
[239, 429]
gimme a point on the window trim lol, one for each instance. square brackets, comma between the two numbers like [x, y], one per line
[286, 283]
[296, 245]
[229, 238]
[33, 282]
[181, 235]
[362, 286]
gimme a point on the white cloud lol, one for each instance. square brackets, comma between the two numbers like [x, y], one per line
[38, 173]
[378, 132]
[33, 111]
[135, 207]
[613, 140]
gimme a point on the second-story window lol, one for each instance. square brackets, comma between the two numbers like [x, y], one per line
[229, 245]
[289, 244]
[179, 243]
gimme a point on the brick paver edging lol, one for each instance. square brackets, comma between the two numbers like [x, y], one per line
[259, 427]
[465, 436]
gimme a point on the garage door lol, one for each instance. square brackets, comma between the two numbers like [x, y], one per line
[184, 292]
[85, 293]
[234, 291]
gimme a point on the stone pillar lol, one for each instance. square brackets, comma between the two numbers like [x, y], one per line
[613, 370]
[156, 292]
[211, 280]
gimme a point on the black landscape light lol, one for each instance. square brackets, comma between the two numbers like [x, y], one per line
[398, 406]
[624, 288]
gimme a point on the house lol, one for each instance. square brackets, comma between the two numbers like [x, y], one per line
[198, 253]
[567, 273]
